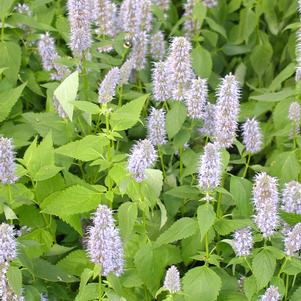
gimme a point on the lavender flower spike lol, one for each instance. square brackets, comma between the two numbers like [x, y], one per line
[157, 46]
[265, 199]
[291, 197]
[180, 67]
[125, 71]
[161, 83]
[294, 116]
[162, 4]
[8, 250]
[107, 88]
[139, 51]
[208, 120]
[190, 24]
[227, 111]
[271, 294]
[298, 55]
[80, 25]
[104, 245]
[47, 51]
[143, 156]
[196, 98]
[210, 168]
[252, 136]
[292, 241]
[210, 3]
[243, 242]
[172, 280]
[7, 161]
[128, 16]
[156, 127]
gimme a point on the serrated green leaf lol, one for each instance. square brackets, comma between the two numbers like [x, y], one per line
[206, 217]
[14, 277]
[127, 216]
[175, 119]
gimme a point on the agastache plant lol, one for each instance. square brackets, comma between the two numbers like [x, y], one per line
[252, 137]
[157, 46]
[161, 83]
[179, 64]
[227, 111]
[80, 18]
[271, 294]
[143, 156]
[210, 3]
[294, 117]
[291, 197]
[125, 71]
[104, 245]
[107, 87]
[265, 199]
[209, 173]
[196, 98]
[172, 280]
[191, 25]
[243, 242]
[7, 161]
[140, 49]
[156, 126]
[292, 241]
[208, 115]
[298, 56]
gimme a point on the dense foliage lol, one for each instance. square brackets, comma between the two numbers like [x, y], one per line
[150, 150]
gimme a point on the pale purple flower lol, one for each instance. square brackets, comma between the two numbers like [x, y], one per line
[191, 25]
[172, 280]
[162, 4]
[156, 126]
[292, 241]
[161, 82]
[208, 127]
[44, 297]
[179, 64]
[7, 161]
[143, 16]
[23, 9]
[157, 46]
[106, 20]
[80, 18]
[210, 3]
[47, 51]
[227, 111]
[107, 87]
[139, 51]
[196, 98]
[291, 197]
[104, 245]
[265, 199]
[143, 156]
[125, 71]
[243, 242]
[8, 244]
[252, 137]
[128, 16]
[294, 116]
[271, 294]
[210, 168]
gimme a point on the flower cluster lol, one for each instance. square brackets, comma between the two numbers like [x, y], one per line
[208, 116]
[291, 197]
[107, 88]
[265, 199]
[7, 161]
[157, 46]
[143, 156]
[252, 136]
[104, 245]
[210, 3]
[294, 116]
[292, 241]
[243, 242]
[191, 25]
[156, 126]
[271, 294]
[227, 111]
[172, 280]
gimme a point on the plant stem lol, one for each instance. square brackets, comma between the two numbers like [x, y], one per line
[85, 77]
[108, 129]
[162, 164]
[247, 166]
[286, 287]
[206, 248]
[181, 162]
[282, 267]
[2, 28]
[99, 289]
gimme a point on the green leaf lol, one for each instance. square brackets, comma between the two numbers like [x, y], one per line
[206, 217]
[296, 296]
[201, 283]
[287, 72]
[263, 265]
[127, 216]
[86, 106]
[10, 58]
[66, 93]
[201, 62]
[175, 119]
[73, 200]
[128, 115]
[14, 277]
[290, 218]
[182, 228]
[5, 6]
[227, 226]
[261, 58]
[274, 97]
[8, 99]
[87, 149]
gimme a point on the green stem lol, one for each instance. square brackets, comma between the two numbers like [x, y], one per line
[108, 130]
[162, 164]
[2, 28]
[99, 289]
[181, 162]
[286, 287]
[282, 267]
[206, 248]
[247, 166]
[248, 264]
[85, 77]
[219, 199]
[165, 105]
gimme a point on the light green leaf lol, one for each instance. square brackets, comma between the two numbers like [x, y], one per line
[14, 277]
[5, 6]
[261, 58]
[127, 216]
[175, 119]
[182, 228]
[263, 265]
[8, 99]
[206, 218]
[86, 106]
[274, 97]
[227, 226]
[87, 149]
[201, 62]
[128, 115]
[201, 283]
[73, 200]
[66, 93]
